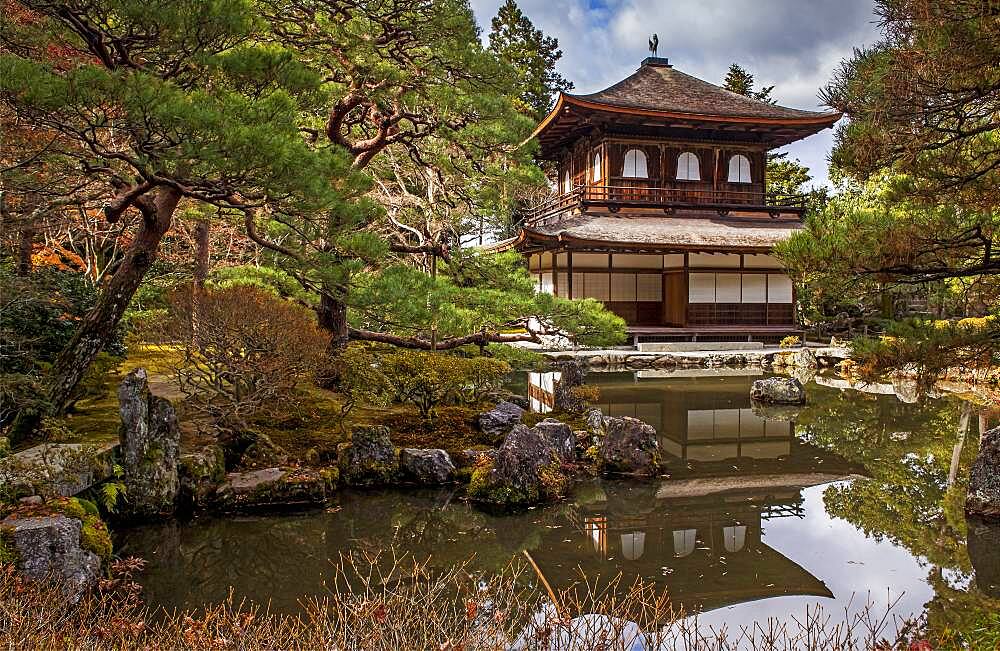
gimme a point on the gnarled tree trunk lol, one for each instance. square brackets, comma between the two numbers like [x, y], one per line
[98, 327]
[332, 314]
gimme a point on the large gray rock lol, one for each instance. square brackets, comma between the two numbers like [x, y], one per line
[274, 488]
[426, 466]
[150, 443]
[629, 446]
[560, 436]
[572, 374]
[49, 547]
[526, 471]
[778, 391]
[201, 472]
[499, 420]
[984, 478]
[369, 459]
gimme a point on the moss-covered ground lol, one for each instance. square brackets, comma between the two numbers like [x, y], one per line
[308, 428]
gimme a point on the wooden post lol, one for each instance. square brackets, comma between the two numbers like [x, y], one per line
[569, 273]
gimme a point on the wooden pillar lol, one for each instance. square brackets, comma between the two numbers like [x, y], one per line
[555, 272]
[569, 273]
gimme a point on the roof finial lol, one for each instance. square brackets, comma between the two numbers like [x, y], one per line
[653, 42]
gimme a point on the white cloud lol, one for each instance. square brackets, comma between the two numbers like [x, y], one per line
[794, 44]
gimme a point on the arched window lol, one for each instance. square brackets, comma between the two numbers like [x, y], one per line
[684, 542]
[688, 168]
[635, 164]
[739, 169]
[734, 537]
[633, 545]
[597, 167]
[567, 182]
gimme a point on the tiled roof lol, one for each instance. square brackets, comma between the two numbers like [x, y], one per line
[659, 87]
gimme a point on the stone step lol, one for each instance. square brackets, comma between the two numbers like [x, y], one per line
[693, 346]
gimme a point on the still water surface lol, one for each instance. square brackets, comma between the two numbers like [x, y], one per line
[855, 497]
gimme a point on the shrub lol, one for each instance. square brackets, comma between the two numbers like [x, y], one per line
[428, 380]
[243, 351]
[39, 314]
[360, 380]
[791, 341]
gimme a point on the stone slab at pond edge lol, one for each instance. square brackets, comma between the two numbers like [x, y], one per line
[62, 468]
[778, 391]
[273, 488]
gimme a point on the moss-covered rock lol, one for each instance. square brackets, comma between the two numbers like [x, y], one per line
[629, 446]
[275, 488]
[47, 546]
[150, 444]
[526, 471]
[201, 472]
[369, 459]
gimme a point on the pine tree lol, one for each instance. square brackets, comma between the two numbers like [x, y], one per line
[177, 102]
[533, 57]
[739, 80]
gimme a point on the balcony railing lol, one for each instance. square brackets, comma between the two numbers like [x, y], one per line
[616, 197]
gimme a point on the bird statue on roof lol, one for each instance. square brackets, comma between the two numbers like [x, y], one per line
[653, 42]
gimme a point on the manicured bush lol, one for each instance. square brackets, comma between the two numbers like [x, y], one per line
[243, 350]
[360, 380]
[427, 379]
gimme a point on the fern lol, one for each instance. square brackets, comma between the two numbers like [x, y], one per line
[111, 492]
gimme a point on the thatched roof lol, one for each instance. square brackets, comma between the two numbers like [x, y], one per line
[689, 231]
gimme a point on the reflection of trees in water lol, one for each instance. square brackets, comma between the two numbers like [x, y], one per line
[287, 557]
[917, 457]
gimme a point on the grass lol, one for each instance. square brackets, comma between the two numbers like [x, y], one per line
[96, 420]
[382, 602]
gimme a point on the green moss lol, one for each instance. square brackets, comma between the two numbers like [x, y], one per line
[70, 507]
[95, 537]
[4, 447]
[576, 422]
[89, 507]
[330, 475]
[482, 489]
[8, 553]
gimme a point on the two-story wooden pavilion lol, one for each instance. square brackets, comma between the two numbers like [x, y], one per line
[662, 209]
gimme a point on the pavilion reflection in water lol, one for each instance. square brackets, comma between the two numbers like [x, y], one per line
[700, 534]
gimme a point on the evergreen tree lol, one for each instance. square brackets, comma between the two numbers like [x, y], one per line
[922, 169]
[533, 57]
[925, 101]
[739, 80]
[162, 104]
[786, 176]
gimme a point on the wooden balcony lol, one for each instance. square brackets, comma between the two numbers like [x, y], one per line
[683, 195]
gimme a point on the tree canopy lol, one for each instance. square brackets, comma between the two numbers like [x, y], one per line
[533, 57]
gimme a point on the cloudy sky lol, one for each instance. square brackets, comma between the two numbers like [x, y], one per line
[793, 44]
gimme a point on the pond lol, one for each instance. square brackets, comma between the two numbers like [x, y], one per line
[859, 496]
